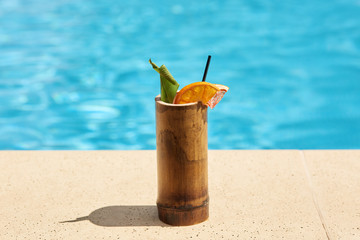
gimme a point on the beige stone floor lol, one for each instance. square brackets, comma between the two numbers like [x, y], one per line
[286, 194]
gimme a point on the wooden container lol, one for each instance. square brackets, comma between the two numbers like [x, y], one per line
[182, 152]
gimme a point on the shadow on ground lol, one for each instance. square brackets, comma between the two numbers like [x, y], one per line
[122, 216]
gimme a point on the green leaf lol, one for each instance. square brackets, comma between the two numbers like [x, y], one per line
[169, 85]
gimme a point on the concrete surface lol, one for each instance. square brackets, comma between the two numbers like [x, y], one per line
[285, 194]
[337, 186]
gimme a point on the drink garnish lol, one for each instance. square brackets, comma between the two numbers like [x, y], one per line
[168, 84]
[198, 91]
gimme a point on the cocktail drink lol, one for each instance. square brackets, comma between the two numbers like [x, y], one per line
[182, 168]
[182, 149]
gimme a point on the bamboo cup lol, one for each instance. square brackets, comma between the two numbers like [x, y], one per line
[182, 165]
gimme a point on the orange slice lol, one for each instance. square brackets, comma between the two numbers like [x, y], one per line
[198, 91]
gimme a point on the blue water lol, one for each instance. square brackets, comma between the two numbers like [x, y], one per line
[75, 74]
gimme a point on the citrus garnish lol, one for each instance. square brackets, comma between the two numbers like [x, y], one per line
[195, 92]
[218, 96]
[221, 87]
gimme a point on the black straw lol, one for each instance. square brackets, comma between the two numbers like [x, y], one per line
[206, 68]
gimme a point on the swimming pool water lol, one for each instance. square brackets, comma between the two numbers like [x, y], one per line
[75, 74]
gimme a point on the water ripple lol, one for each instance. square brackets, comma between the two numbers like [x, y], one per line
[75, 75]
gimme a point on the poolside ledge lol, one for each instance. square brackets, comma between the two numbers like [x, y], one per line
[286, 194]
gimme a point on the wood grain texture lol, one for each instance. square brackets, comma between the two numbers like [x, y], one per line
[182, 165]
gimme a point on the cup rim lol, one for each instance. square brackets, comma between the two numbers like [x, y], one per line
[157, 99]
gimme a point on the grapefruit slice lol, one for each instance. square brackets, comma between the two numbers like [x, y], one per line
[218, 96]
